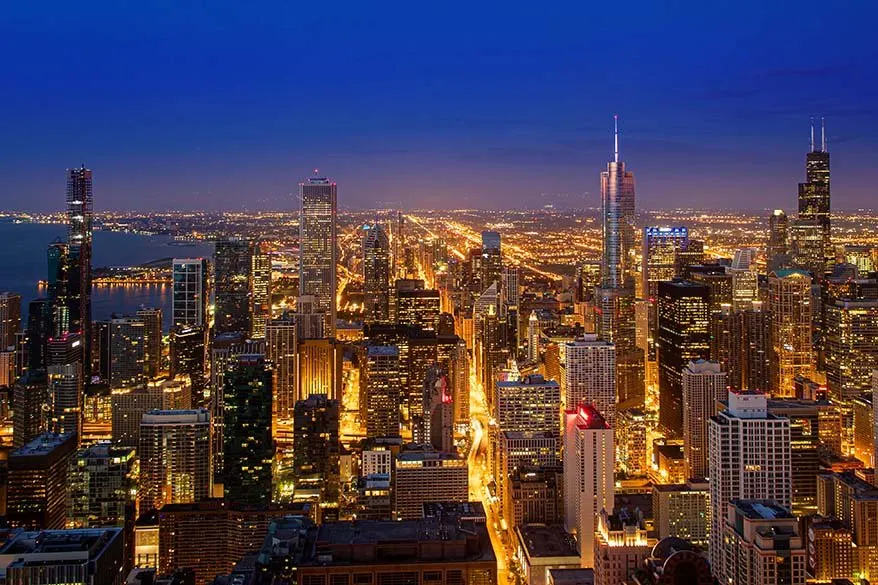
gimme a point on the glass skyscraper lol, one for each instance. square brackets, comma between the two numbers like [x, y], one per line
[318, 246]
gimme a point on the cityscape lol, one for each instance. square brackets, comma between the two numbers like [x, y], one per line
[439, 294]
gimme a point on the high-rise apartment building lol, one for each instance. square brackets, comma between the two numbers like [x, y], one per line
[190, 292]
[175, 457]
[749, 458]
[789, 302]
[280, 350]
[80, 217]
[37, 492]
[762, 544]
[590, 375]
[682, 511]
[233, 264]
[248, 446]
[30, 394]
[189, 358]
[376, 273]
[589, 453]
[703, 384]
[683, 337]
[318, 246]
[853, 500]
[529, 404]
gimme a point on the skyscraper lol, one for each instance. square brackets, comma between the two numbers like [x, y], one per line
[617, 220]
[248, 445]
[851, 333]
[814, 193]
[280, 350]
[778, 239]
[260, 292]
[317, 447]
[789, 303]
[749, 458]
[127, 352]
[533, 337]
[10, 319]
[233, 258]
[615, 300]
[190, 292]
[683, 337]
[100, 485]
[703, 384]
[152, 337]
[318, 246]
[380, 398]
[588, 475]
[175, 457]
[660, 248]
[79, 240]
[492, 260]
[590, 375]
[376, 273]
[37, 497]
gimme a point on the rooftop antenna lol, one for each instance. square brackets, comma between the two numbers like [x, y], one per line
[616, 135]
[812, 133]
[823, 134]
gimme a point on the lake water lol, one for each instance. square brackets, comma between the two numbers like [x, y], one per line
[23, 263]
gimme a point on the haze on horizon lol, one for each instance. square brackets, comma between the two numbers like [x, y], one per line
[461, 105]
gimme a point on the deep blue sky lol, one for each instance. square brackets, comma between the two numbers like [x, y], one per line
[177, 105]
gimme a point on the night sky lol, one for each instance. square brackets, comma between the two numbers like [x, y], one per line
[434, 104]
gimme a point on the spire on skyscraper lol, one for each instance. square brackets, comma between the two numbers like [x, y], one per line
[812, 134]
[616, 136]
[822, 134]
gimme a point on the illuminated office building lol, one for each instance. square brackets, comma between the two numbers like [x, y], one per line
[749, 458]
[588, 475]
[101, 484]
[533, 337]
[281, 351]
[66, 383]
[260, 292]
[807, 246]
[660, 248]
[778, 247]
[814, 195]
[175, 457]
[317, 447]
[428, 476]
[789, 303]
[380, 395]
[682, 511]
[529, 404]
[319, 368]
[152, 337]
[436, 426]
[851, 342]
[854, 501]
[590, 375]
[189, 358]
[864, 428]
[127, 352]
[190, 292]
[248, 446]
[683, 337]
[37, 482]
[10, 319]
[318, 246]
[418, 307]
[703, 384]
[233, 259]
[376, 273]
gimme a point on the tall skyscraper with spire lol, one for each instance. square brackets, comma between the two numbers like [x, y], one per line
[615, 296]
[80, 215]
[814, 193]
[318, 246]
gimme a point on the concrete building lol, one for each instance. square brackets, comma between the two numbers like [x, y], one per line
[101, 486]
[541, 548]
[588, 475]
[749, 459]
[428, 476]
[789, 303]
[621, 546]
[703, 384]
[49, 557]
[762, 544]
[37, 492]
[590, 375]
[682, 511]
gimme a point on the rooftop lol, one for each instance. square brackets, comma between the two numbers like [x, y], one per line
[761, 509]
[42, 445]
[90, 540]
[541, 540]
[571, 576]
